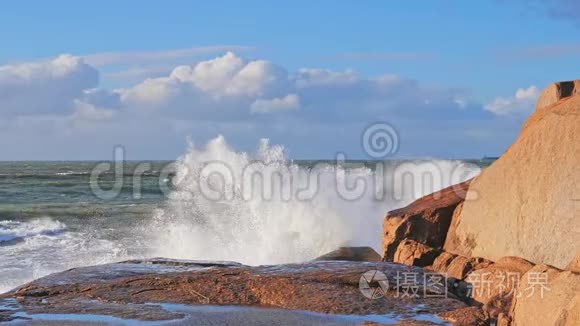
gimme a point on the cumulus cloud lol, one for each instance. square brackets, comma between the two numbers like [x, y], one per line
[226, 88]
[44, 87]
[289, 102]
[231, 88]
[228, 94]
[522, 102]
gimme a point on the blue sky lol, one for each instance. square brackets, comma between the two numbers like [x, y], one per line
[436, 54]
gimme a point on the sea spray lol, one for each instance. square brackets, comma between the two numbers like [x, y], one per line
[38, 247]
[264, 209]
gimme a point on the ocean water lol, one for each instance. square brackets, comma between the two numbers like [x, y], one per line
[59, 215]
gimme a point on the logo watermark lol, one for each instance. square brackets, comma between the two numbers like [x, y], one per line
[374, 284]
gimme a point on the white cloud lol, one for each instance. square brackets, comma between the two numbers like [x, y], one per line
[321, 77]
[229, 75]
[251, 99]
[86, 111]
[522, 102]
[287, 103]
[140, 73]
[45, 86]
[229, 87]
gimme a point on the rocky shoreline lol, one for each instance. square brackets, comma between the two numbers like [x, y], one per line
[477, 253]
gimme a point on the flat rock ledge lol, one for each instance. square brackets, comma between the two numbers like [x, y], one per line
[211, 293]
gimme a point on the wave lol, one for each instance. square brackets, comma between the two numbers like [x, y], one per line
[215, 213]
[35, 248]
[12, 232]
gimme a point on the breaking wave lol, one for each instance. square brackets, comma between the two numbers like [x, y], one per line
[222, 209]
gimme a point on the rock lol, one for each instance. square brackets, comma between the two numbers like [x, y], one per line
[503, 320]
[442, 262]
[413, 253]
[352, 254]
[137, 289]
[527, 200]
[452, 243]
[556, 92]
[574, 264]
[495, 284]
[547, 296]
[472, 316]
[498, 305]
[456, 266]
[459, 267]
[426, 220]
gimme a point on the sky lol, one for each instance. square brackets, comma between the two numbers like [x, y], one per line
[454, 79]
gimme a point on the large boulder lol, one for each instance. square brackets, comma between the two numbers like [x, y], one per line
[547, 296]
[425, 221]
[527, 202]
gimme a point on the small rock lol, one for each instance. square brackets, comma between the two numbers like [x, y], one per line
[352, 254]
[413, 253]
[442, 262]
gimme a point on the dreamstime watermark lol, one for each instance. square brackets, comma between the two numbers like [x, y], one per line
[380, 140]
[223, 180]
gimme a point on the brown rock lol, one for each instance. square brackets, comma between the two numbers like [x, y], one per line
[527, 200]
[503, 320]
[413, 253]
[497, 305]
[452, 243]
[426, 220]
[352, 254]
[442, 262]
[495, 284]
[574, 264]
[460, 266]
[470, 316]
[556, 92]
[329, 287]
[547, 296]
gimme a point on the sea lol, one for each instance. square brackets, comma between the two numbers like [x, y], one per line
[212, 203]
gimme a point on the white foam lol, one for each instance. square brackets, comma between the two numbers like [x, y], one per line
[11, 231]
[254, 230]
[39, 247]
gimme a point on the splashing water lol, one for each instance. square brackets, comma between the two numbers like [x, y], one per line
[38, 247]
[219, 211]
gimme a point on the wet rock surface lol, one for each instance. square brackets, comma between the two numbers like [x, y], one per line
[169, 290]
